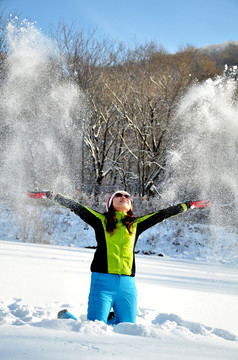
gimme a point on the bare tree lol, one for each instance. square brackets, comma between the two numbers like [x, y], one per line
[132, 96]
[145, 91]
[3, 44]
[83, 56]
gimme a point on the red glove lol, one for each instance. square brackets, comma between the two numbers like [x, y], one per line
[40, 194]
[199, 204]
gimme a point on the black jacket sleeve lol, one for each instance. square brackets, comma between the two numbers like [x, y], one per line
[86, 214]
[150, 220]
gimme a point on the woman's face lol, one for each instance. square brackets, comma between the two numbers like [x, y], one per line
[122, 203]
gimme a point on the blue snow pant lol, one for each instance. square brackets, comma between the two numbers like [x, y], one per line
[112, 291]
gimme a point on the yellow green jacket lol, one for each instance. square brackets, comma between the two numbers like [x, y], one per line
[115, 253]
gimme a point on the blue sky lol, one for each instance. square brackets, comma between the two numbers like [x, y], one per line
[170, 23]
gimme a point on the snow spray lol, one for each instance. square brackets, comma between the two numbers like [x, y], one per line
[41, 114]
[41, 124]
[204, 163]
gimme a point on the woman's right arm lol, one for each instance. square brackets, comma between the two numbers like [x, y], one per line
[86, 214]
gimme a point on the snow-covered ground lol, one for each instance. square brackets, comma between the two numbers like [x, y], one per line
[186, 309]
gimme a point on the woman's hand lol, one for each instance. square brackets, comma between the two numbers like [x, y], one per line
[41, 194]
[199, 204]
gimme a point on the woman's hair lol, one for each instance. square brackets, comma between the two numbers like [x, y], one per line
[111, 219]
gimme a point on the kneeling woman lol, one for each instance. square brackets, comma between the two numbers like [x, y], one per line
[113, 265]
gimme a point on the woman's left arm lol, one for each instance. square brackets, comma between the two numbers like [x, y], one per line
[147, 221]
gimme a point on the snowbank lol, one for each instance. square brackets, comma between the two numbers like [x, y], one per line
[176, 237]
[186, 310]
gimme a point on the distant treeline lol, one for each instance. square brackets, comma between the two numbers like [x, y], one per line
[132, 95]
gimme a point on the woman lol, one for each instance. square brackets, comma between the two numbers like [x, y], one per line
[113, 265]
